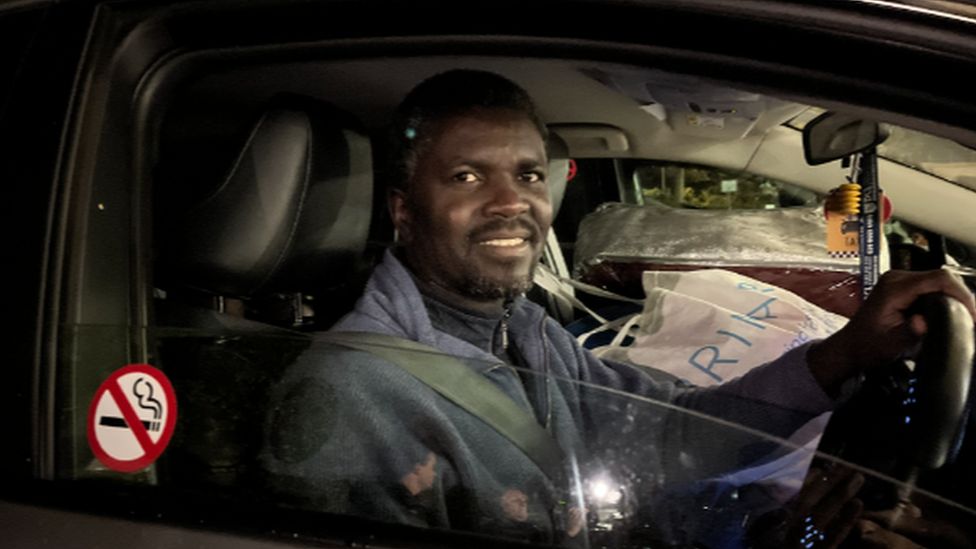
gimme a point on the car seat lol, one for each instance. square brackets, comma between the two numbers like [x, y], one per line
[290, 219]
[552, 255]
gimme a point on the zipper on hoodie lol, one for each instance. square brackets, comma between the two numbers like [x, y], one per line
[503, 325]
[547, 374]
[501, 337]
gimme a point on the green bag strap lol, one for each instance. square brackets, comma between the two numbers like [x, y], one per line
[458, 383]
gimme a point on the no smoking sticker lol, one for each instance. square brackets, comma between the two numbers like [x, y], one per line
[132, 418]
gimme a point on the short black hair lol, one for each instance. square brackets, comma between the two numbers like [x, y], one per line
[445, 95]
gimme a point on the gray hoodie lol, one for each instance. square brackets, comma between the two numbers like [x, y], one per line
[350, 433]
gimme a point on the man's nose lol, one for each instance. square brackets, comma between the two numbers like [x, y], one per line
[507, 198]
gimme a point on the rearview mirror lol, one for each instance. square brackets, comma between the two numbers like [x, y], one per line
[832, 136]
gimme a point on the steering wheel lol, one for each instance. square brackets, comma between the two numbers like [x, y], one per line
[943, 372]
[912, 415]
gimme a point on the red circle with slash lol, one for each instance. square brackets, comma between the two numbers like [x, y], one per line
[131, 418]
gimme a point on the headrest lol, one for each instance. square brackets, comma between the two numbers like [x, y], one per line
[558, 170]
[293, 209]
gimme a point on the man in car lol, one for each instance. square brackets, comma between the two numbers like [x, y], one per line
[354, 433]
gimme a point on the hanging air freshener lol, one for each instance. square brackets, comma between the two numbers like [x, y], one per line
[841, 210]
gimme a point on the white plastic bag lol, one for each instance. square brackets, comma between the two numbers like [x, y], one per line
[712, 325]
[709, 326]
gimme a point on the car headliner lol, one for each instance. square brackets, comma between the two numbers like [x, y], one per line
[596, 108]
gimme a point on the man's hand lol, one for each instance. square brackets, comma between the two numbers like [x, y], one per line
[822, 514]
[882, 329]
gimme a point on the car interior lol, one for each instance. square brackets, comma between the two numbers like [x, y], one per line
[599, 114]
[268, 206]
[253, 183]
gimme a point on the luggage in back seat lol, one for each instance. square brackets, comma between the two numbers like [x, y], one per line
[784, 247]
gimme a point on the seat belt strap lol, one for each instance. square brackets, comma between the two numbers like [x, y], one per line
[458, 383]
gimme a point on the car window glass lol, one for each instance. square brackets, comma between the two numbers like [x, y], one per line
[701, 187]
[272, 411]
[918, 150]
[261, 419]
[930, 154]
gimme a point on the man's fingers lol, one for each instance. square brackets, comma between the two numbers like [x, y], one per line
[902, 288]
[956, 288]
[917, 325]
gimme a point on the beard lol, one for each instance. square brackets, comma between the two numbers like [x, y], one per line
[483, 288]
[468, 280]
[468, 277]
[449, 260]
[476, 285]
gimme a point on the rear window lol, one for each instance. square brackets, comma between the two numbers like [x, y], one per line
[702, 187]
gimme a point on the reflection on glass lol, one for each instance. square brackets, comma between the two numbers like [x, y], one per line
[283, 419]
[700, 187]
[637, 472]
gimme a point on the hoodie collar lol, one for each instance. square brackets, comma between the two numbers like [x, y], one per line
[393, 300]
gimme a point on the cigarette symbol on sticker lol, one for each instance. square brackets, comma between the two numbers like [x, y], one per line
[115, 421]
[146, 401]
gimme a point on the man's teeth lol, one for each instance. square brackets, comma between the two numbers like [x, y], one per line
[503, 242]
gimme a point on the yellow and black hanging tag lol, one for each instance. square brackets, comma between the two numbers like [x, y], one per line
[841, 209]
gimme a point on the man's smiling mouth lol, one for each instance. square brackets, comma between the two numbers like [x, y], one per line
[510, 238]
[503, 242]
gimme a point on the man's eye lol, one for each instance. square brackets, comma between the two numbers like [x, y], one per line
[465, 177]
[533, 177]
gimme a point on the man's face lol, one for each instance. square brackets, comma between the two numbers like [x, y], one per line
[475, 215]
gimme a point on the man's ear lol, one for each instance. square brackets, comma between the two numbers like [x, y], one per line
[396, 201]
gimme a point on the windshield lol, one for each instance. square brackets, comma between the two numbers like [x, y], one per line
[920, 151]
[933, 155]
